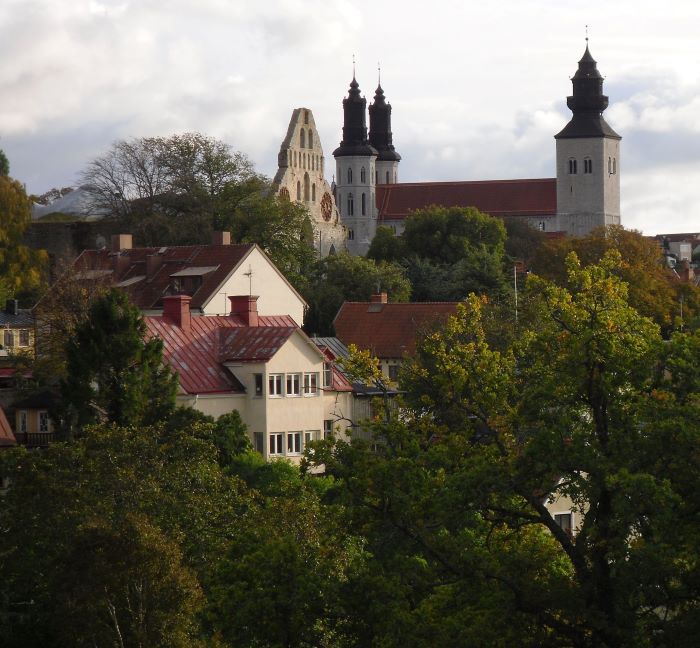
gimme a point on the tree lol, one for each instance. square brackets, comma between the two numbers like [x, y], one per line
[342, 277]
[22, 269]
[588, 405]
[4, 164]
[386, 246]
[114, 373]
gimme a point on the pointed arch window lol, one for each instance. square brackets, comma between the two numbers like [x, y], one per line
[351, 205]
[313, 192]
[572, 166]
[364, 205]
[298, 190]
[302, 139]
[587, 165]
[311, 138]
[307, 187]
[349, 175]
[294, 156]
[362, 175]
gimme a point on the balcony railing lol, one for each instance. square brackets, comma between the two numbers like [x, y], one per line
[35, 439]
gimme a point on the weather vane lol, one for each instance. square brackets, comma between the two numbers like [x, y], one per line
[353, 66]
[379, 72]
[586, 33]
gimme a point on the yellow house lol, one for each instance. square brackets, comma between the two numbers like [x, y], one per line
[17, 330]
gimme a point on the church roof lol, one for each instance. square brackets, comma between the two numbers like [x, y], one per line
[503, 198]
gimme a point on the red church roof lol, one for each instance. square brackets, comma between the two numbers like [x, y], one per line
[388, 330]
[496, 197]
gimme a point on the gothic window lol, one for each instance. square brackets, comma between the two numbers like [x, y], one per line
[302, 143]
[313, 192]
[364, 207]
[387, 177]
[294, 163]
[587, 165]
[351, 235]
[362, 175]
[349, 175]
[307, 187]
[311, 138]
[351, 205]
[572, 166]
[298, 190]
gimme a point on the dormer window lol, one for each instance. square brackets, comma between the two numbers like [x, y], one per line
[572, 167]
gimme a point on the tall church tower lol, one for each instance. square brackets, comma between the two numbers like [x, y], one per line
[355, 174]
[387, 165]
[588, 157]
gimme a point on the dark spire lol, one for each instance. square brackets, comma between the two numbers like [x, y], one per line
[355, 140]
[587, 102]
[380, 127]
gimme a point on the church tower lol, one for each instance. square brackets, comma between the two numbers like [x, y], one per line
[355, 174]
[588, 157]
[387, 165]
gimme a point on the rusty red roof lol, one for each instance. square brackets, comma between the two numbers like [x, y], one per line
[7, 437]
[388, 330]
[198, 355]
[146, 274]
[536, 197]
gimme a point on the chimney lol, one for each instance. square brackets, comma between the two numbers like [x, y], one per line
[379, 298]
[12, 307]
[153, 262]
[221, 238]
[176, 308]
[687, 273]
[245, 307]
[121, 242]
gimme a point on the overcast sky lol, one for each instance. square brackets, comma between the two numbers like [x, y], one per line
[477, 91]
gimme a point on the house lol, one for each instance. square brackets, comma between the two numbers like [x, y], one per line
[282, 384]
[18, 330]
[389, 331]
[33, 425]
[208, 274]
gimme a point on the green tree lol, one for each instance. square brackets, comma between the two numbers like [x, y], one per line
[4, 164]
[114, 373]
[386, 246]
[342, 277]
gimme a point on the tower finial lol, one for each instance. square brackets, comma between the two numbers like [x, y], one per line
[353, 66]
[379, 73]
[586, 35]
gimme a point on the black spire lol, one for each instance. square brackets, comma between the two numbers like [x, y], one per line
[587, 103]
[355, 140]
[380, 127]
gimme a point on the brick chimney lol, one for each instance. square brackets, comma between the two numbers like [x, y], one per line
[379, 298]
[687, 273]
[176, 308]
[245, 307]
[221, 238]
[122, 242]
[153, 262]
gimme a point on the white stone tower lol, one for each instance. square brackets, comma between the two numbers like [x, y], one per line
[588, 158]
[355, 174]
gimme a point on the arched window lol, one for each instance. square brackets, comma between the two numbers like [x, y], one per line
[572, 167]
[321, 165]
[351, 205]
[351, 235]
[331, 250]
[364, 205]
[349, 175]
[294, 156]
[311, 138]
[362, 175]
[387, 177]
[313, 163]
[298, 190]
[587, 165]
[307, 187]
[302, 139]
[313, 192]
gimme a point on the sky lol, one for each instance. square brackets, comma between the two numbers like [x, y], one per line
[478, 89]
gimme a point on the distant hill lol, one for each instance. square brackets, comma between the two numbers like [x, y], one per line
[75, 203]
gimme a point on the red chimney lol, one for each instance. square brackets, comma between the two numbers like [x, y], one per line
[379, 298]
[221, 238]
[176, 308]
[245, 307]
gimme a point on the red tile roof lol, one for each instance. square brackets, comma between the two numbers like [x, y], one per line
[388, 330]
[496, 197]
[198, 355]
[7, 438]
[127, 269]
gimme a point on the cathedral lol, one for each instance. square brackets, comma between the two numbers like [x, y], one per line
[584, 194]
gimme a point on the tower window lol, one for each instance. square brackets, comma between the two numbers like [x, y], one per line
[351, 206]
[351, 235]
[609, 165]
[364, 208]
[387, 177]
[298, 190]
[362, 175]
[313, 192]
[572, 167]
[311, 138]
[307, 187]
[349, 175]
[302, 139]
[587, 165]
[294, 153]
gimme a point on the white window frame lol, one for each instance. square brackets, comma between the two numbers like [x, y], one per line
[24, 333]
[293, 385]
[23, 422]
[309, 436]
[327, 428]
[560, 514]
[275, 444]
[275, 383]
[43, 424]
[327, 374]
[310, 383]
[8, 339]
[294, 443]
